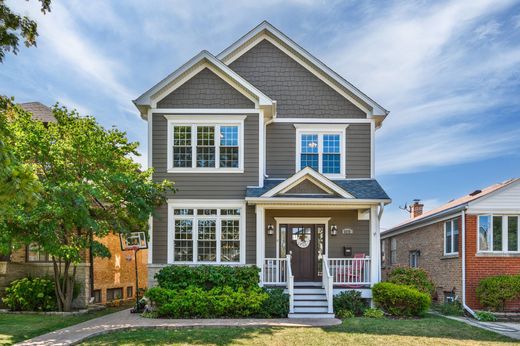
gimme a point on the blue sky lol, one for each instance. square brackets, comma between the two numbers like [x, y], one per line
[449, 72]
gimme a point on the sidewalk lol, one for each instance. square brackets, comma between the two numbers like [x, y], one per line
[509, 329]
[124, 320]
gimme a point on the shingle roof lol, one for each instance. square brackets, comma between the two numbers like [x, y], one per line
[39, 111]
[453, 204]
[359, 188]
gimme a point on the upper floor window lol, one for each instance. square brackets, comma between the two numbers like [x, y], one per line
[206, 145]
[322, 149]
[498, 233]
[451, 237]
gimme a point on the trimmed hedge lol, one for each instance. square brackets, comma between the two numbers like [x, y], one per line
[196, 302]
[180, 277]
[350, 301]
[415, 277]
[30, 294]
[495, 291]
[400, 300]
[276, 305]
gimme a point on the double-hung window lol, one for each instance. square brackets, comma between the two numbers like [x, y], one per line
[209, 144]
[414, 258]
[322, 149]
[203, 234]
[451, 237]
[393, 251]
[498, 233]
[36, 254]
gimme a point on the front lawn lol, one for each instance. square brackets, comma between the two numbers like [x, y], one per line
[432, 330]
[18, 327]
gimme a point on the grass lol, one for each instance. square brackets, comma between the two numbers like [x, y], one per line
[18, 327]
[431, 330]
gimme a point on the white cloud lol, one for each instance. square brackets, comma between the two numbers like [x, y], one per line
[487, 30]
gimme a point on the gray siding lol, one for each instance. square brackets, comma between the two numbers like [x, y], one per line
[205, 90]
[298, 92]
[250, 235]
[306, 187]
[281, 150]
[207, 185]
[160, 235]
[359, 240]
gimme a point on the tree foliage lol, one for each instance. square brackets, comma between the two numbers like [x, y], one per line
[14, 26]
[89, 187]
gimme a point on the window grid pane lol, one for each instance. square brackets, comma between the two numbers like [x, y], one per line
[182, 146]
[331, 163]
[512, 233]
[448, 236]
[205, 146]
[497, 233]
[483, 233]
[309, 160]
[455, 247]
[331, 144]
[229, 136]
[230, 247]
[309, 144]
[183, 243]
[207, 241]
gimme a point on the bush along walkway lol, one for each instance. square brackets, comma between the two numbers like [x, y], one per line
[124, 320]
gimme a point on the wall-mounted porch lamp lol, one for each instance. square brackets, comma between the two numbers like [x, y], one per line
[270, 229]
[333, 230]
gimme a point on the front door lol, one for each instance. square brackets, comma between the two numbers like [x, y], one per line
[301, 242]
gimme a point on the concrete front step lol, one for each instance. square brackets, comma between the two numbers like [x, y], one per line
[310, 303]
[311, 309]
[310, 315]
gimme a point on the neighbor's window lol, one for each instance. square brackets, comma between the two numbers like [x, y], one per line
[36, 254]
[498, 233]
[129, 291]
[451, 237]
[114, 294]
[206, 235]
[414, 258]
[383, 252]
[323, 152]
[205, 147]
[393, 251]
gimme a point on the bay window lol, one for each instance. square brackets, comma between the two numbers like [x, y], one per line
[321, 148]
[451, 237]
[206, 144]
[206, 235]
[498, 233]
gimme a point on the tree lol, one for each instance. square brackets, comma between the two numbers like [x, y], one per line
[13, 27]
[89, 187]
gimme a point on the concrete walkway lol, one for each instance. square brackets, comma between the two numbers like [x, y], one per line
[509, 329]
[124, 320]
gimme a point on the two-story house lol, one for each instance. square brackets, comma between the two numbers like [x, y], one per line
[272, 154]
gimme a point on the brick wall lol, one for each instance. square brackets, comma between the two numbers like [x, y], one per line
[480, 266]
[445, 271]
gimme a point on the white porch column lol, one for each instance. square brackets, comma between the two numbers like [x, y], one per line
[260, 239]
[375, 247]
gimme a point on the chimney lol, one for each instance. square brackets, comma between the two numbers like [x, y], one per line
[416, 209]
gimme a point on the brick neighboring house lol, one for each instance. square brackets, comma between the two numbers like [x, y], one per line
[112, 278]
[461, 242]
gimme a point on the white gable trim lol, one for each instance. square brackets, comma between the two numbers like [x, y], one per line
[316, 67]
[481, 205]
[312, 180]
[169, 84]
[307, 173]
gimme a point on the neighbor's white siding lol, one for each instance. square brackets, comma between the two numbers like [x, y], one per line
[506, 200]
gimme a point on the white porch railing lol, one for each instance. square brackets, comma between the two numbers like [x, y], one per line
[275, 271]
[350, 271]
[328, 284]
[290, 284]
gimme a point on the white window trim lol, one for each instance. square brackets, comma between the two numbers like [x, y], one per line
[452, 253]
[320, 130]
[205, 120]
[206, 204]
[505, 227]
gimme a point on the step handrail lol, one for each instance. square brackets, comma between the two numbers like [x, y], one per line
[328, 283]
[290, 284]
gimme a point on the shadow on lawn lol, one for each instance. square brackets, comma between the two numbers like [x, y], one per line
[428, 327]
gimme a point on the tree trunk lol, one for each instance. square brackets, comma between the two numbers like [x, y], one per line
[64, 283]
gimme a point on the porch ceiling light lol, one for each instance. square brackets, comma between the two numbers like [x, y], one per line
[333, 230]
[270, 229]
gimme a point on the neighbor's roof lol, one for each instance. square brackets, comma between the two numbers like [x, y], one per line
[450, 207]
[39, 111]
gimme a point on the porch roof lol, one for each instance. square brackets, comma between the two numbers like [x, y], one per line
[366, 189]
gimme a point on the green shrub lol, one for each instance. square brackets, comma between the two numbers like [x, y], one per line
[400, 300]
[350, 301]
[30, 294]
[485, 316]
[495, 291]
[415, 277]
[207, 277]
[344, 314]
[451, 308]
[276, 305]
[374, 313]
[196, 302]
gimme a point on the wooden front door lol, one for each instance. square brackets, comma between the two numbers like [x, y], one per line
[301, 243]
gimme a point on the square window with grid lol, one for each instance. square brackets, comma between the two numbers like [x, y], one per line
[182, 155]
[207, 241]
[205, 146]
[183, 243]
[321, 151]
[331, 154]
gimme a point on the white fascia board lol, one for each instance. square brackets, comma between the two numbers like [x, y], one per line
[300, 176]
[325, 202]
[378, 110]
[145, 99]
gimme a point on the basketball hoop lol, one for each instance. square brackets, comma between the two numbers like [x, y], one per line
[134, 241]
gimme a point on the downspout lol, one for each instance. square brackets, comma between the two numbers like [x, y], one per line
[381, 210]
[463, 226]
